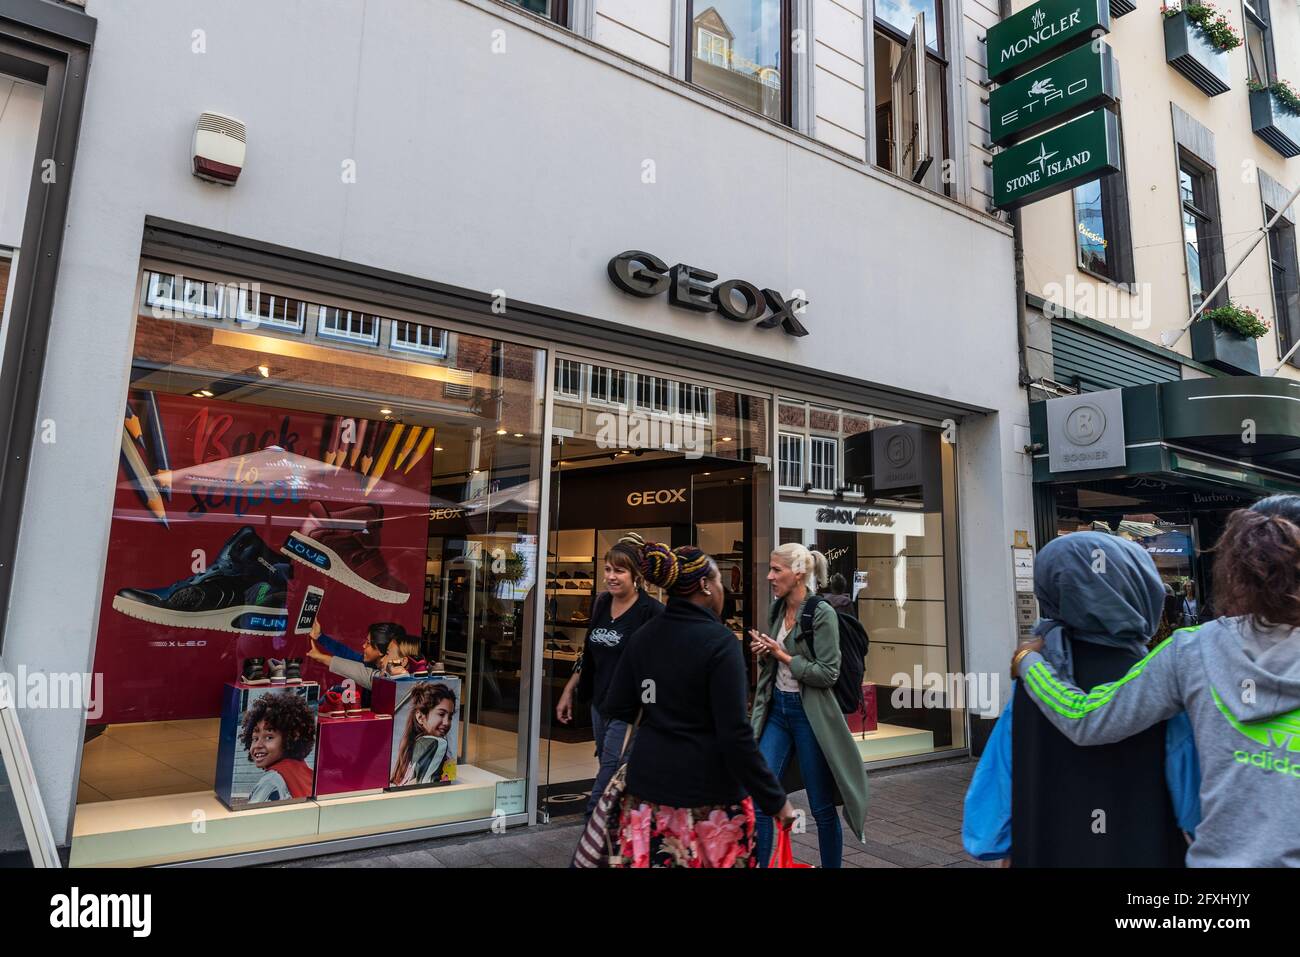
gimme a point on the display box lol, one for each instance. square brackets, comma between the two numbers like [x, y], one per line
[864, 720]
[425, 731]
[266, 751]
[353, 754]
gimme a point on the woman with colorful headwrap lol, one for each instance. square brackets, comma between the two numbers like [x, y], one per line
[696, 774]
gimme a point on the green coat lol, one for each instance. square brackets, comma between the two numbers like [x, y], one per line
[816, 677]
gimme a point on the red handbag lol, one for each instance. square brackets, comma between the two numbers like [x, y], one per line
[783, 853]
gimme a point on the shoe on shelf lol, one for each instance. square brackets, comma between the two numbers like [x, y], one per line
[345, 545]
[293, 671]
[254, 672]
[243, 591]
[276, 667]
[331, 704]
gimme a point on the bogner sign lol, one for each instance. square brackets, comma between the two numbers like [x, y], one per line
[1046, 29]
[1082, 150]
[1068, 86]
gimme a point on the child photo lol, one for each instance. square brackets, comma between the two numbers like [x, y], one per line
[278, 739]
[424, 751]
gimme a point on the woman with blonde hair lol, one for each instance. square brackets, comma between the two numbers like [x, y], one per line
[795, 709]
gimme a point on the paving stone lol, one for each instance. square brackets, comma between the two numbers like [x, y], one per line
[416, 859]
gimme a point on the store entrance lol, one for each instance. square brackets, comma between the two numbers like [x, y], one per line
[707, 489]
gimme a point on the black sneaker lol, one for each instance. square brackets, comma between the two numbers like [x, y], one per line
[293, 671]
[243, 591]
[277, 669]
[254, 672]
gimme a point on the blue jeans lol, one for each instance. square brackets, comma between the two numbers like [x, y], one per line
[787, 727]
[609, 748]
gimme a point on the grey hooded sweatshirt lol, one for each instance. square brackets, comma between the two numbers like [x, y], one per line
[1240, 686]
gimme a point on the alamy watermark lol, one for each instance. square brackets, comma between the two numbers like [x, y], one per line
[978, 692]
[41, 690]
[626, 430]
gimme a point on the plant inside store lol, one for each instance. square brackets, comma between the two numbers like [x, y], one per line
[1222, 34]
[1246, 322]
[1282, 90]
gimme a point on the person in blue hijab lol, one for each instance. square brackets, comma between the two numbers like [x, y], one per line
[1036, 799]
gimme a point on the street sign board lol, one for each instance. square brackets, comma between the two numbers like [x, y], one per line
[1060, 159]
[1042, 31]
[1068, 86]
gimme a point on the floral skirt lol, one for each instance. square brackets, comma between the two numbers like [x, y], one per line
[654, 835]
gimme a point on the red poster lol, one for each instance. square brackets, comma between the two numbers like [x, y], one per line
[224, 514]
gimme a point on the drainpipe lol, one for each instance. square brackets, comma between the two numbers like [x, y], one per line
[1018, 246]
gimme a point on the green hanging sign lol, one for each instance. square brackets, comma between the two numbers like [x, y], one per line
[1060, 159]
[1072, 84]
[1035, 34]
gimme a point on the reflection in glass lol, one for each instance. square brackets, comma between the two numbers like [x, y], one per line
[901, 15]
[1090, 228]
[736, 49]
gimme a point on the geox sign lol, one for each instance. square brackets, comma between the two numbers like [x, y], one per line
[1046, 29]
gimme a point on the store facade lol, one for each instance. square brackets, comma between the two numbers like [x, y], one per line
[410, 384]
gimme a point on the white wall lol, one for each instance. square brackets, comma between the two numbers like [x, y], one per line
[640, 29]
[839, 75]
[471, 170]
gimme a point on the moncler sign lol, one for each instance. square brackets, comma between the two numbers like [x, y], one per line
[1044, 30]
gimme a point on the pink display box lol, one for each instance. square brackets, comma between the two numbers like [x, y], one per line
[352, 753]
[863, 720]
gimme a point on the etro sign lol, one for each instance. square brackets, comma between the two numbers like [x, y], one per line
[689, 287]
[1041, 31]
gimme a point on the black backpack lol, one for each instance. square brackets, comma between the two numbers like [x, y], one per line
[854, 644]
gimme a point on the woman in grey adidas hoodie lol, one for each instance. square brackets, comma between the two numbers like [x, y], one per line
[1238, 677]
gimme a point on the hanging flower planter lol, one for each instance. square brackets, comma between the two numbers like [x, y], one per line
[1225, 339]
[1197, 41]
[1275, 116]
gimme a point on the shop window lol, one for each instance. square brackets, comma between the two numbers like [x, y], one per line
[257, 308]
[568, 379]
[344, 324]
[695, 401]
[1102, 233]
[1286, 283]
[911, 97]
[608, 386]
[324, 491]
[1202, 232]
[823, 456]
[790, 459]
[414, 337]
[740, 50]
[180, 295]
[895, 549]
[555, 10]
[654, 394]
[1259, 42]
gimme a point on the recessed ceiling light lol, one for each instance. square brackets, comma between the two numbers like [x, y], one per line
[385, 411]
[437, 448]
[207, 394]
[726, 438]
[519, 435]
[501, 431]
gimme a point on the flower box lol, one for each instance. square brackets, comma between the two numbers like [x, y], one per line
[1224, 349]
[1189, 51]
[1120, 7]
[1275, 123]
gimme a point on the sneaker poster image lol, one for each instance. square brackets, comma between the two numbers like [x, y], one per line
[425, 732]
[224, 515]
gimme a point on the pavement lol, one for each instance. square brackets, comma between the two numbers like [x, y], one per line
[914, 820]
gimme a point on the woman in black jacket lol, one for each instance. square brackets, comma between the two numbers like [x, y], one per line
[696, 773]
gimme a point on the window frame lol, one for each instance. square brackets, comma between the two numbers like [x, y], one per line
[1259, 15]
[670, 396]
[802, 439]
[562, 363]
[347, 336]
[787, 66]
[689, 388]
[1286, 320]
[610, 372]
[248, 317]
[1205, 209]
[834, 443]
[559, 14]
[1114, 200]
[438, 351]
[940, 59]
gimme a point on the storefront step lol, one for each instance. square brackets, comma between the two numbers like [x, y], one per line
[163, 830]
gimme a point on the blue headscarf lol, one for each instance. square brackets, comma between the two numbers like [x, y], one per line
[1096, 588]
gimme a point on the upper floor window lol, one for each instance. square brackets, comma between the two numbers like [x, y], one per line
[608, 386]
[335, 323]
[1259, 42]
[1202, 232]
[694, 400]
[1286, 283]
[740, 50]
[557, 10]
[654, 394]
[911, 103]
[1101, 228]
[568, 378]
[790, 460]
[823, 461]
[414, 337]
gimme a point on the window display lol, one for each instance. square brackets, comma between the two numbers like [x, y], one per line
[320, 571]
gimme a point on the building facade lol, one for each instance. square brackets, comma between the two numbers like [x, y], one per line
[1113, 271]
[498, 284]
